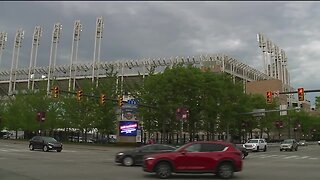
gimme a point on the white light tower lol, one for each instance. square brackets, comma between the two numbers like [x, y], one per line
[3, 40]
[96, 55]
[74, 53]
[56, 33]
[37, 33]
[15, 60]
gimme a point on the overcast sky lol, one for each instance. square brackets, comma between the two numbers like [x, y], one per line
[136, 30]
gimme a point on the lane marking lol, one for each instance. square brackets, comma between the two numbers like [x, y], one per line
[303, 157]
[289, 157]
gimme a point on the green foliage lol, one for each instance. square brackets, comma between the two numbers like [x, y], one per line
[20, 111]
[213, 99]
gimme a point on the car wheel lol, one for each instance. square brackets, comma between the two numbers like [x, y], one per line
[127, 161]
[258, 149]
[163, 170]
[265, 149]
[59, 150]
[45, 148]
[31, 147]
[225, 171]
[280, 149]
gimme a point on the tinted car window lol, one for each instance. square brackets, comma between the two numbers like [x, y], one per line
[212, 147]
[194, 148]
[252, 141]
[164, 147]
[36, 138]
[148, 148]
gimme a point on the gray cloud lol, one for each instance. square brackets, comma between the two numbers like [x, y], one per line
[135, 30]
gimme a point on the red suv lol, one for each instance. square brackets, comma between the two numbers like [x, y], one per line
[216, 157]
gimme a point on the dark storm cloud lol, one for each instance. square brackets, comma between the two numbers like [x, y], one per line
[135, 30]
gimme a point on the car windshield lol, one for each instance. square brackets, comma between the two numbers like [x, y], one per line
[49, 139]
[287, 141]
[252, 141]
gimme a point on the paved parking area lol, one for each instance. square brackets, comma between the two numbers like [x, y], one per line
[90, 162]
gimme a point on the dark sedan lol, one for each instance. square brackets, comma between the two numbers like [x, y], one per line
[135, 156]
[45, 143]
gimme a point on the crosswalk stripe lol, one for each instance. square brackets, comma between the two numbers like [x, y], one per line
[313, 158]
[303, 157]
[289, 157]
[273, 155]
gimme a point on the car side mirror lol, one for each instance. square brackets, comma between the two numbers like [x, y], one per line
[183, 151]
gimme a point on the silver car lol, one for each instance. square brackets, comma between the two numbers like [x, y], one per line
[303, 143]
[289, 144]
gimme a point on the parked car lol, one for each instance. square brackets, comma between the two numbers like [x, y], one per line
[289, 144]
[303, 143]
[243, 150]
[45, 143]
[135, 156]
[256, 145]
[221, 158]
[319, 142]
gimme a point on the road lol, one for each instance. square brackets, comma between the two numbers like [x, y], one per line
[79, 162]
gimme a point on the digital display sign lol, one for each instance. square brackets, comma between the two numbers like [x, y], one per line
[128, 128]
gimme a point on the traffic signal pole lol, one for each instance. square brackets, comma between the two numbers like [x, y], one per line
[110, 99]
[306, 91]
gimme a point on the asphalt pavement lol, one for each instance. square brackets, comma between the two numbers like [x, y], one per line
[82, 162]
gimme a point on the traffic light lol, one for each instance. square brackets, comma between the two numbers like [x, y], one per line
[56, 92]
[120, 101]
[269, 97]
[102, 99]
[300, 94]
[79, 95]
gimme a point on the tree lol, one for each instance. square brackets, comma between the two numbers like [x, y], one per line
[213, 100]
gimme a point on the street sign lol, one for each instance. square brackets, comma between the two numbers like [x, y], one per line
[283, 107]
[132, 101]
[182, 114]
[41, 116]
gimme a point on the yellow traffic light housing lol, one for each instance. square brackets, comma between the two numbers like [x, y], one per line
[56, 91]
[269, 97]
[102, 99]
[120, 101]
[300, 94]
[79, 95]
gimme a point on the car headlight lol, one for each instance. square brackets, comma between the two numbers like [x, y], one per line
[50, 146]
[120, 154]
